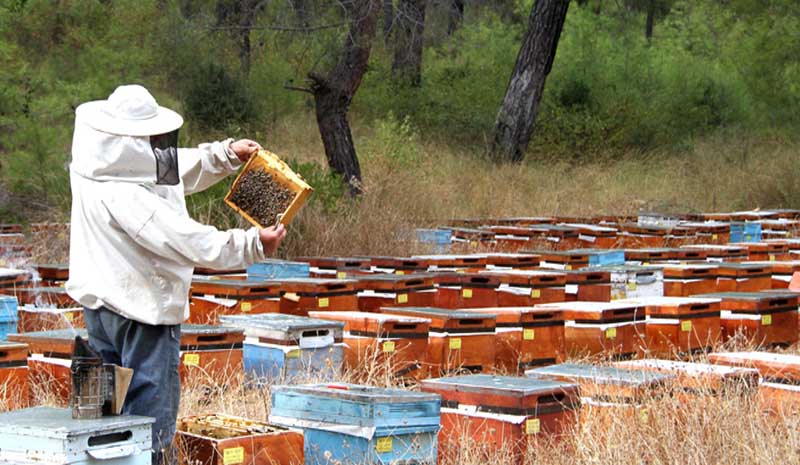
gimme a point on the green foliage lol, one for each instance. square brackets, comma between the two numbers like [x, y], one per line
[329, 189]
[396, 141]
[215, 98]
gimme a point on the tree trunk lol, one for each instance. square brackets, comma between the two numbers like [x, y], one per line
[409, 31]
[517, 114]
[334, 92]
[388, 20]
[455, 16]
[651, 13]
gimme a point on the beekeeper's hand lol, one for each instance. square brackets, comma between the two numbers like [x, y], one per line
[245, 148]
[271, 238]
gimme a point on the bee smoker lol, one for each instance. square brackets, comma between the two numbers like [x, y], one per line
[88, 382]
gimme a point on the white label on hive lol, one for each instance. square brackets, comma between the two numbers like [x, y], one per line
[383, 445]
[532, 426]
[233, 456]
[191, 360]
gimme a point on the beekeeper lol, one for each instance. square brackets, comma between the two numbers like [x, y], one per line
[133, 246]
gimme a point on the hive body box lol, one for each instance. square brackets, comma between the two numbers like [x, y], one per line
[45, 296]
[591, 235]
[49, 361]
[498, 412]
[8, 316]
[45, 435]
[766, 318]
[382, 290]
[289, 348]
[443, 263]
[721, 253]
[462, 290]
[395, 343]
[686, 280]
[700, 379]
[779, 368]
[680, 324]
[743, 277]
[649, 256]
[610, 329]
[524, 288]
[458, 340]
[14, 388]
[299, 296]
[630, 281]
[32, 318]
[336, 267]
[215, 439]
[526, 337]
[582, 258]
[273, 268]
[11, 279]
[53, 274]
[210, 354]
[213, 297]
[588, 285]
[350, 424]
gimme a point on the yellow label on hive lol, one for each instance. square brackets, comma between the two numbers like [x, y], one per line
[568, 267]
[246, 307]
[632, 286]
[611, 333]
[645, 263]
[473, 244]
[714, 237]
[467, 293]
[388, 347]
[766, 320]
[455, 343]
[324, 302]
[402, 298]
[748, 237]
[686, 326]
[536, 293]
[191, 360]
[532, 426]
[69, 316]
[528, 334]
[771, 257]
[400, 272]
[644, 415]
[233, 456]
[383, 445]
[341, 275]
[295, 353]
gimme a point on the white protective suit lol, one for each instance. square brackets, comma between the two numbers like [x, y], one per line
[133, 246]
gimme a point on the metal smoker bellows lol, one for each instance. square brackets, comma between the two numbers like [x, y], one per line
[88, 382]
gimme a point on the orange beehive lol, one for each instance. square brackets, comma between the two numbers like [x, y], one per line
[524, 288]
[301, 295]
[680, 324]
[782, 272]
[212, 297]
[216, 439]
[14, 388]
[395, 343]
[457, 340]
[636, 236]
[470, 262]
[779, 368]
[743, 277]
[517, 261]
[710, 232]
[45, 296]
[720, 253]
[53, 274]
[698, 379]
[11, 278]
[765, 251]
[779, 399]
[526, 337]
[462, 290]
[610, 329]
[595, 236]
[691, 279]
[465, 240]
[336, 267]
[378, 290]
[557, 237]
[658, 255]
[588, 285]
[765, 318]
[49, 361]
[210, 355]
[502, 412]
[33, 318]
[396, 265]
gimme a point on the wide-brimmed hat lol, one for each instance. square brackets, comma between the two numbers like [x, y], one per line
[129, 111]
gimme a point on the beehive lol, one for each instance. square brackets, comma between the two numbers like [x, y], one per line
[33, 318]
[266, 188]
[743, 277]
[700, 379]
[777, 368]
[49, 360]
[588, 285]
[502, 412]
[521, 288]
[336, 267]
[582, 258]
[690, 279]
[212, 297]
[592, 235]
[217, 439]
[392, 344]
[14, 387]
[301, 295]
[352, 424]
[461, 290]
[631, 281]
[381, 290]
[765, 318]
[458, 340]
[289, 348]
[210, 355]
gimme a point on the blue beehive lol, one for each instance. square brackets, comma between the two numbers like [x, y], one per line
[288, 348]
[745, 232]
[278, 269]
[8, 316]
[351, 424]
[598, 257]
[439, 239]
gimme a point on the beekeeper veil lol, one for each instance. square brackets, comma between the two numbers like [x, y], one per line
[128, 138]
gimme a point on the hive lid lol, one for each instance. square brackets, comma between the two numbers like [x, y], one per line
[507, 385]
[600, 374]
[437, 312]
[57, 423]
[749, 296]
[55, 335]
[207, 329]
[358, 393]
[278, 322]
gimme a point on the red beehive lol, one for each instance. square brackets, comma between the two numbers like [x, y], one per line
[588, 286]
[53, 274]
[502, 412]
[516, 261]
[782, 272]
[686, 280]
[12, 279]
[610, 329]
[720, 253]
[765, 318]
[14, 391]
[462, 290]
[211, 355]
[524, 288]
[526, 337]
[216, 439]
[457, 340]
[212, 297]
[779, 390]
[743, 277]
[466, 263]
[595, 236]
[395, 343]
[765, 251]
[382, 290]
[301, 295]
[49, 361]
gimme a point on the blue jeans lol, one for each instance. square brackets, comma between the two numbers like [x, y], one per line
[153, 352]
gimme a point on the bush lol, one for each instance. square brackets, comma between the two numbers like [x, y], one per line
[216, 99]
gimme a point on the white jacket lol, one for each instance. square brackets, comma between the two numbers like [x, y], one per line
[133, 246]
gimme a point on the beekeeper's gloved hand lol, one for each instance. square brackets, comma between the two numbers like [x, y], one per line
[271, 238]
[245, 148]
